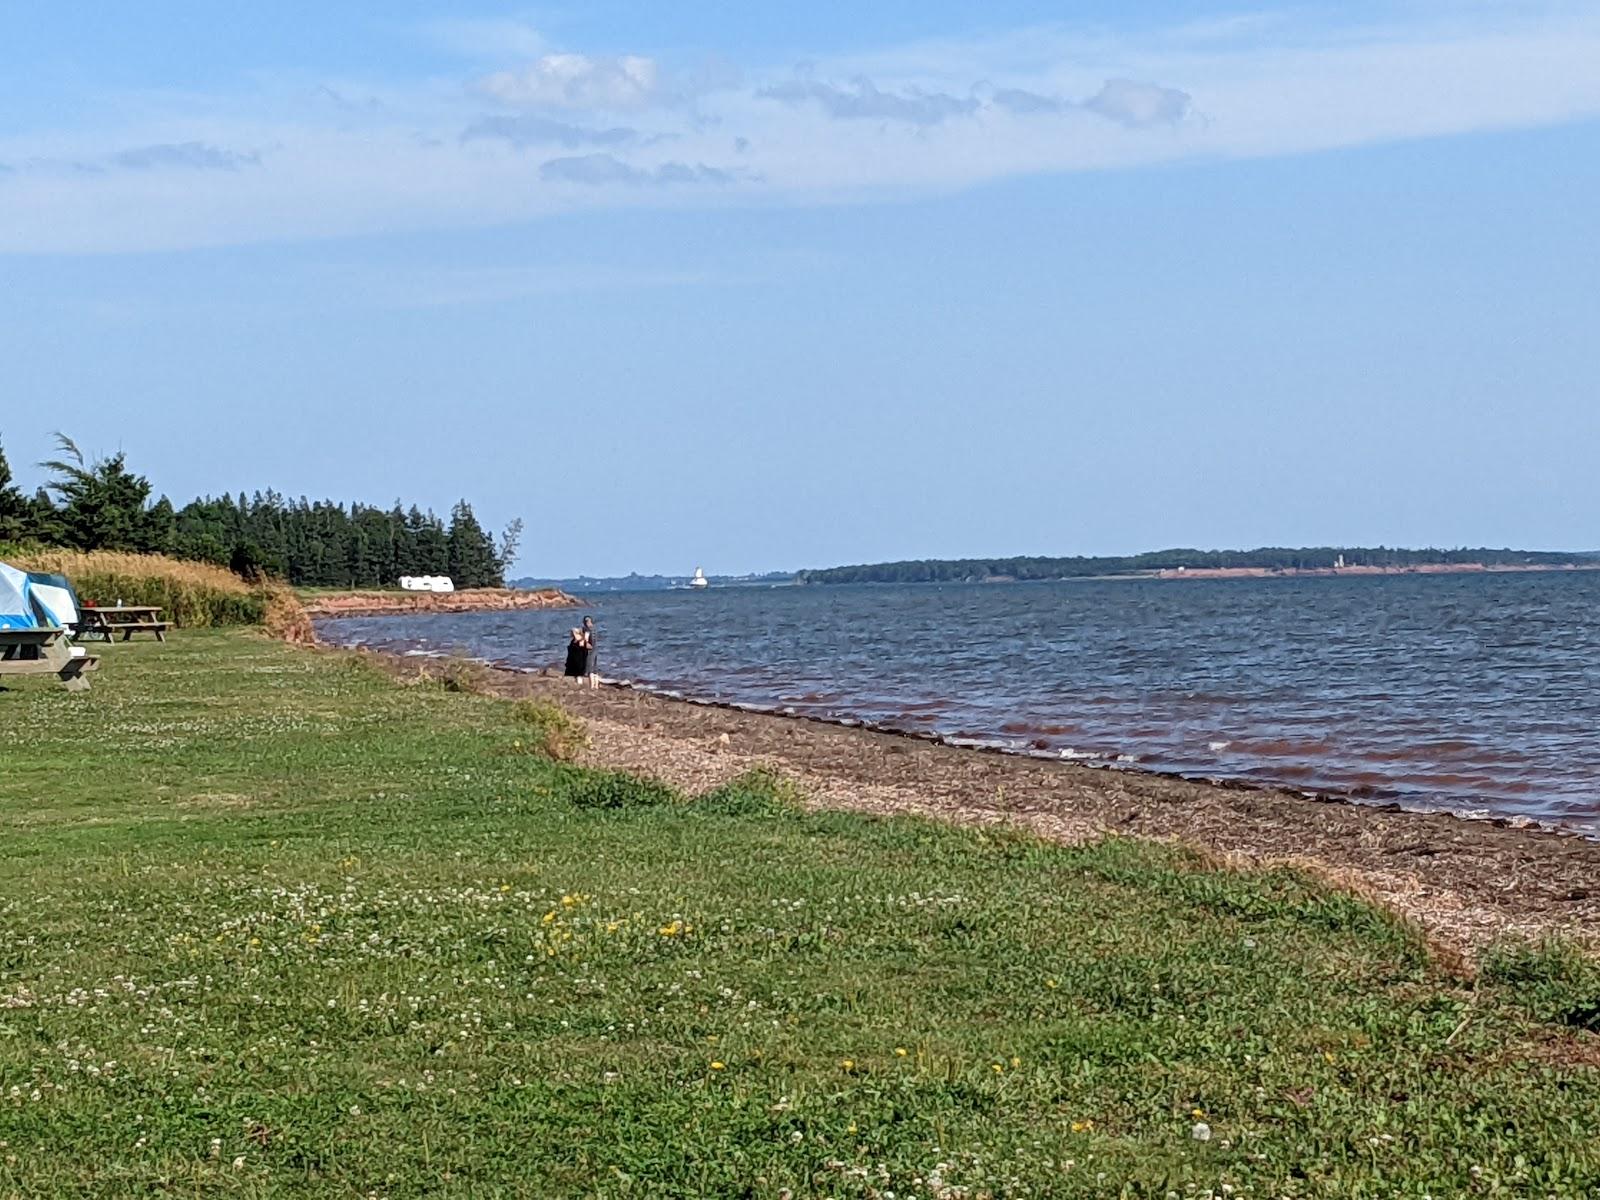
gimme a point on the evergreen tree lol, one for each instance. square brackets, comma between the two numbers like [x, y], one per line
[160, 528]
[432, 545]
[16, 514]
[472, 559]
[102, 503]
[45, 524]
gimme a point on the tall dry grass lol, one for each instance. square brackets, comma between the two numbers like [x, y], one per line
[190, 594]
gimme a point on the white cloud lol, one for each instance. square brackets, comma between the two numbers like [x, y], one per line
[448, 154]
[577, 81]
[1133, 103]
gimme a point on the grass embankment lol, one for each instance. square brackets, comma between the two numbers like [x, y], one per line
[273, 924]
[191, 595]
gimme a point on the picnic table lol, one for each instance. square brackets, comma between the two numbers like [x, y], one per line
[45, 652]
[99, 621]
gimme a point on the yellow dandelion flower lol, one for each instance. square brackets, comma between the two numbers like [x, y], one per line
[848, 1064]
[1197, 1113]
[999, 1069]
[548, 918]
[613, 926]
[568, 901]
[1050, 983]
[717, 1066]
[504, 888]
[851, 1128]
[255, 941]
[1328, 1054]
[900, 1051]
[1015, 1062]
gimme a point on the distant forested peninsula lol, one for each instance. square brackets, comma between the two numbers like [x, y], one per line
[1266, 558]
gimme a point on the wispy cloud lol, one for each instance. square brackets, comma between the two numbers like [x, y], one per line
[1136, 104]
[1124, 101]
[577, 81]
[598, 170]
[195, 156]
[861, 99]
[486, 146]
[530, 130]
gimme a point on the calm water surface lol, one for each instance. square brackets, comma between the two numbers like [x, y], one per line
[1479, 694]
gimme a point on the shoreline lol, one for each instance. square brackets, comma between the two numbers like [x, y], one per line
[396, 603]
[1358, 570]
[1172, 573]
[1463, 881]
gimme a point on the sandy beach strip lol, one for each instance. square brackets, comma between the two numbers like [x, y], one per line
[1464, 882]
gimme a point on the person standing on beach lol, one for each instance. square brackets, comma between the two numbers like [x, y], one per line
[583, 655]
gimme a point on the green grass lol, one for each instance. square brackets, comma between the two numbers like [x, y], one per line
[273, 925]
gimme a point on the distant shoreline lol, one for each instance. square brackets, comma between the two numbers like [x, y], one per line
[1186, 562]
[1330, 572]
[1180, 573]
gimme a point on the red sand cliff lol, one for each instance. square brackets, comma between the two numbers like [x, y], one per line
[378, 604]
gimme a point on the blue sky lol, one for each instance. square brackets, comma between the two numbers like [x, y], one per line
[752, 288]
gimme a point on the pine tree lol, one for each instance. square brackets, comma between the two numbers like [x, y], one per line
[160, 528]
[472, 561]
[431, 543]
[16, 514]
[102, 503]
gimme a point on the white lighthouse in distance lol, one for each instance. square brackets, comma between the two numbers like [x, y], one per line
[699, 580]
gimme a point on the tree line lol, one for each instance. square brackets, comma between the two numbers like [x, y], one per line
[102, 505]
[968, 570]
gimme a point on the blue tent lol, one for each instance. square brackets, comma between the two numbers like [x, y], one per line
[54, 599]
[17, 610]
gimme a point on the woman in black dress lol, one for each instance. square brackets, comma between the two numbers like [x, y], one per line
[582, 655]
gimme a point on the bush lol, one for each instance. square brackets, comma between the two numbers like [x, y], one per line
[458, 674]
[285, 617]
[191, 595]
[1554, 980]
[758, 793]
[552, 730]
[617, 789]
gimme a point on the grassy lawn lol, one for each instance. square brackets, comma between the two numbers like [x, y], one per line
[270, 924]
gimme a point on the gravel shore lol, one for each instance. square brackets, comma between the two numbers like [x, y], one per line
[1464, 882]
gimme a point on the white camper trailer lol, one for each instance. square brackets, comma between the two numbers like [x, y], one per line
[427, 583]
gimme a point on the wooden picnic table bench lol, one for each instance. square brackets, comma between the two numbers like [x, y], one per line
[45, 652]
[100, 621]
